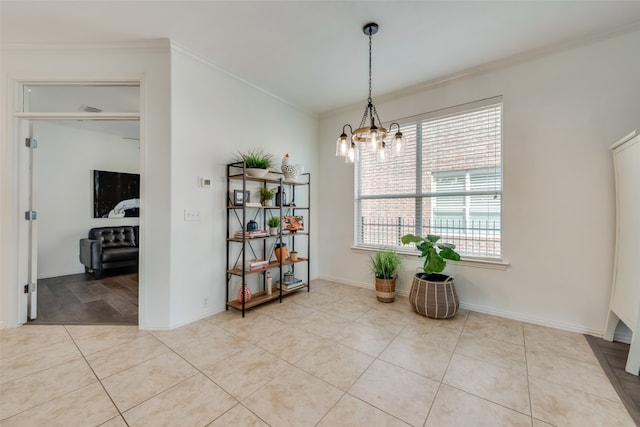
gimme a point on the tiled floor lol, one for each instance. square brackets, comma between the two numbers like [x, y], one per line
[332, 357]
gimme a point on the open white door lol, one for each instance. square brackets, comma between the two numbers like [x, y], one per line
[28, 226]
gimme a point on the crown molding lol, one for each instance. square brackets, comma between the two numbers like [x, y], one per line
[127, 45]
[492, 66]
[185, 50]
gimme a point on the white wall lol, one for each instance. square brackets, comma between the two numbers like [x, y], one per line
[213, 117]
[66, 159]
[561, 113]
[148, 62]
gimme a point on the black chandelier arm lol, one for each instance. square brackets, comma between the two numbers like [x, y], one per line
[395, 124]
[350, 129]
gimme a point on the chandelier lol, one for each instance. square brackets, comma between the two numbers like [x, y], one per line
[371, 135]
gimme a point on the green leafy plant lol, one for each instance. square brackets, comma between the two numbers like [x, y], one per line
[255, 158]
[434, 253]
[273, 222]
[266, 194]
[385, 264]
[293, 252]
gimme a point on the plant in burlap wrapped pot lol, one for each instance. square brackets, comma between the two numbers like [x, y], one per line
[385, 265]
[432, 294]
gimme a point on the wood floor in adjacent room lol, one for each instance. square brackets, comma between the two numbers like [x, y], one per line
[80, 299]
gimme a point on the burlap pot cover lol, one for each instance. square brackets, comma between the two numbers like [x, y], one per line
[386, 289]
[434, 295]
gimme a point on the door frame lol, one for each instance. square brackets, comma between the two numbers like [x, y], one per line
[16, 256]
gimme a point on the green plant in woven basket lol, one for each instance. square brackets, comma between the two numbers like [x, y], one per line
[255, 158]
[385, 264]
[434, 253]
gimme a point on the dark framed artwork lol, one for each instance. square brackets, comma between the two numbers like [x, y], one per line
[116, 194]
[239, 199]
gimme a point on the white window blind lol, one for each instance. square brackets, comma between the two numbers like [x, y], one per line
[448, 182]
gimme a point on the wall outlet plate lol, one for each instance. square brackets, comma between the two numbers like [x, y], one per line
[205, 182]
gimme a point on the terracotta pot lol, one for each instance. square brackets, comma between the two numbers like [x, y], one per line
[293, 257]
[281, 251]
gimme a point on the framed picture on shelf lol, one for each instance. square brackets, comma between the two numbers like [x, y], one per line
[240, 199]
[293, 223]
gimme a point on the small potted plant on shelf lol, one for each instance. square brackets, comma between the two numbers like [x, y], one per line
[293, 256]
[385, 265]
[273, 223]
[433, 294]
[266, 196]
[256, 161]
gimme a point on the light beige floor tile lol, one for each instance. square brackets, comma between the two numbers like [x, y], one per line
[38, 359]
[287, 312]
[499, 353]
[89, 406]
[325, 287]
[395, 390]
[336, 364]
[132, 386]
[418, 357]
[211, 349]
[246, 371]
[30, 338]
[431, 332]
[311, 299]
[346, 310]
[350, 412]
[563, 343]
[494, 327]
[324, 324]
[91, 339]
[253, 327]
[571, 373]
[115, 422]
[186, 334]
[110, 361]
[538, 423]
[365, 338]
[503, 386]
[455, 408]
[390, 320]
[563, 406]
[291, 344]
[193, 402]
[238, 416]
[27, 392]
[456, 322]
[293, 398]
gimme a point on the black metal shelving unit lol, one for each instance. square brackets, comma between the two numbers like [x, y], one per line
[239, 215]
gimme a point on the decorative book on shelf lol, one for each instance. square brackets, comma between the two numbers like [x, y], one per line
[253, 265]
[289, 285]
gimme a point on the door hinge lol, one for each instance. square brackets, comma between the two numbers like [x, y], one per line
[26, 288]
[31, 143]
[29, 288]
[31, 215]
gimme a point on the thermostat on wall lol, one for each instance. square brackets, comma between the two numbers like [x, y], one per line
[205, 182]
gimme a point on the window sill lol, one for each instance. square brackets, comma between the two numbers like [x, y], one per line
[489, 264]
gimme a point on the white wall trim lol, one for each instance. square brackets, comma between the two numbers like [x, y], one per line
[492, 311]
[48, 47]
[489, 67]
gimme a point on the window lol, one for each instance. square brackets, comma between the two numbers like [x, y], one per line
[447, 182]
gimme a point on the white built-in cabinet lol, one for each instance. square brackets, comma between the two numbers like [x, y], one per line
[625, 294]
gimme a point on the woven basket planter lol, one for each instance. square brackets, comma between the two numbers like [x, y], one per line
[386, 290]
[434, 296]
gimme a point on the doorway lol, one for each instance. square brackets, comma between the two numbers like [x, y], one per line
[78, 128]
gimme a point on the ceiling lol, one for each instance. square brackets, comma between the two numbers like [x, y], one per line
[313, 54]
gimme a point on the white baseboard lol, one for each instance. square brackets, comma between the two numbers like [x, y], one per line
[496, 312]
